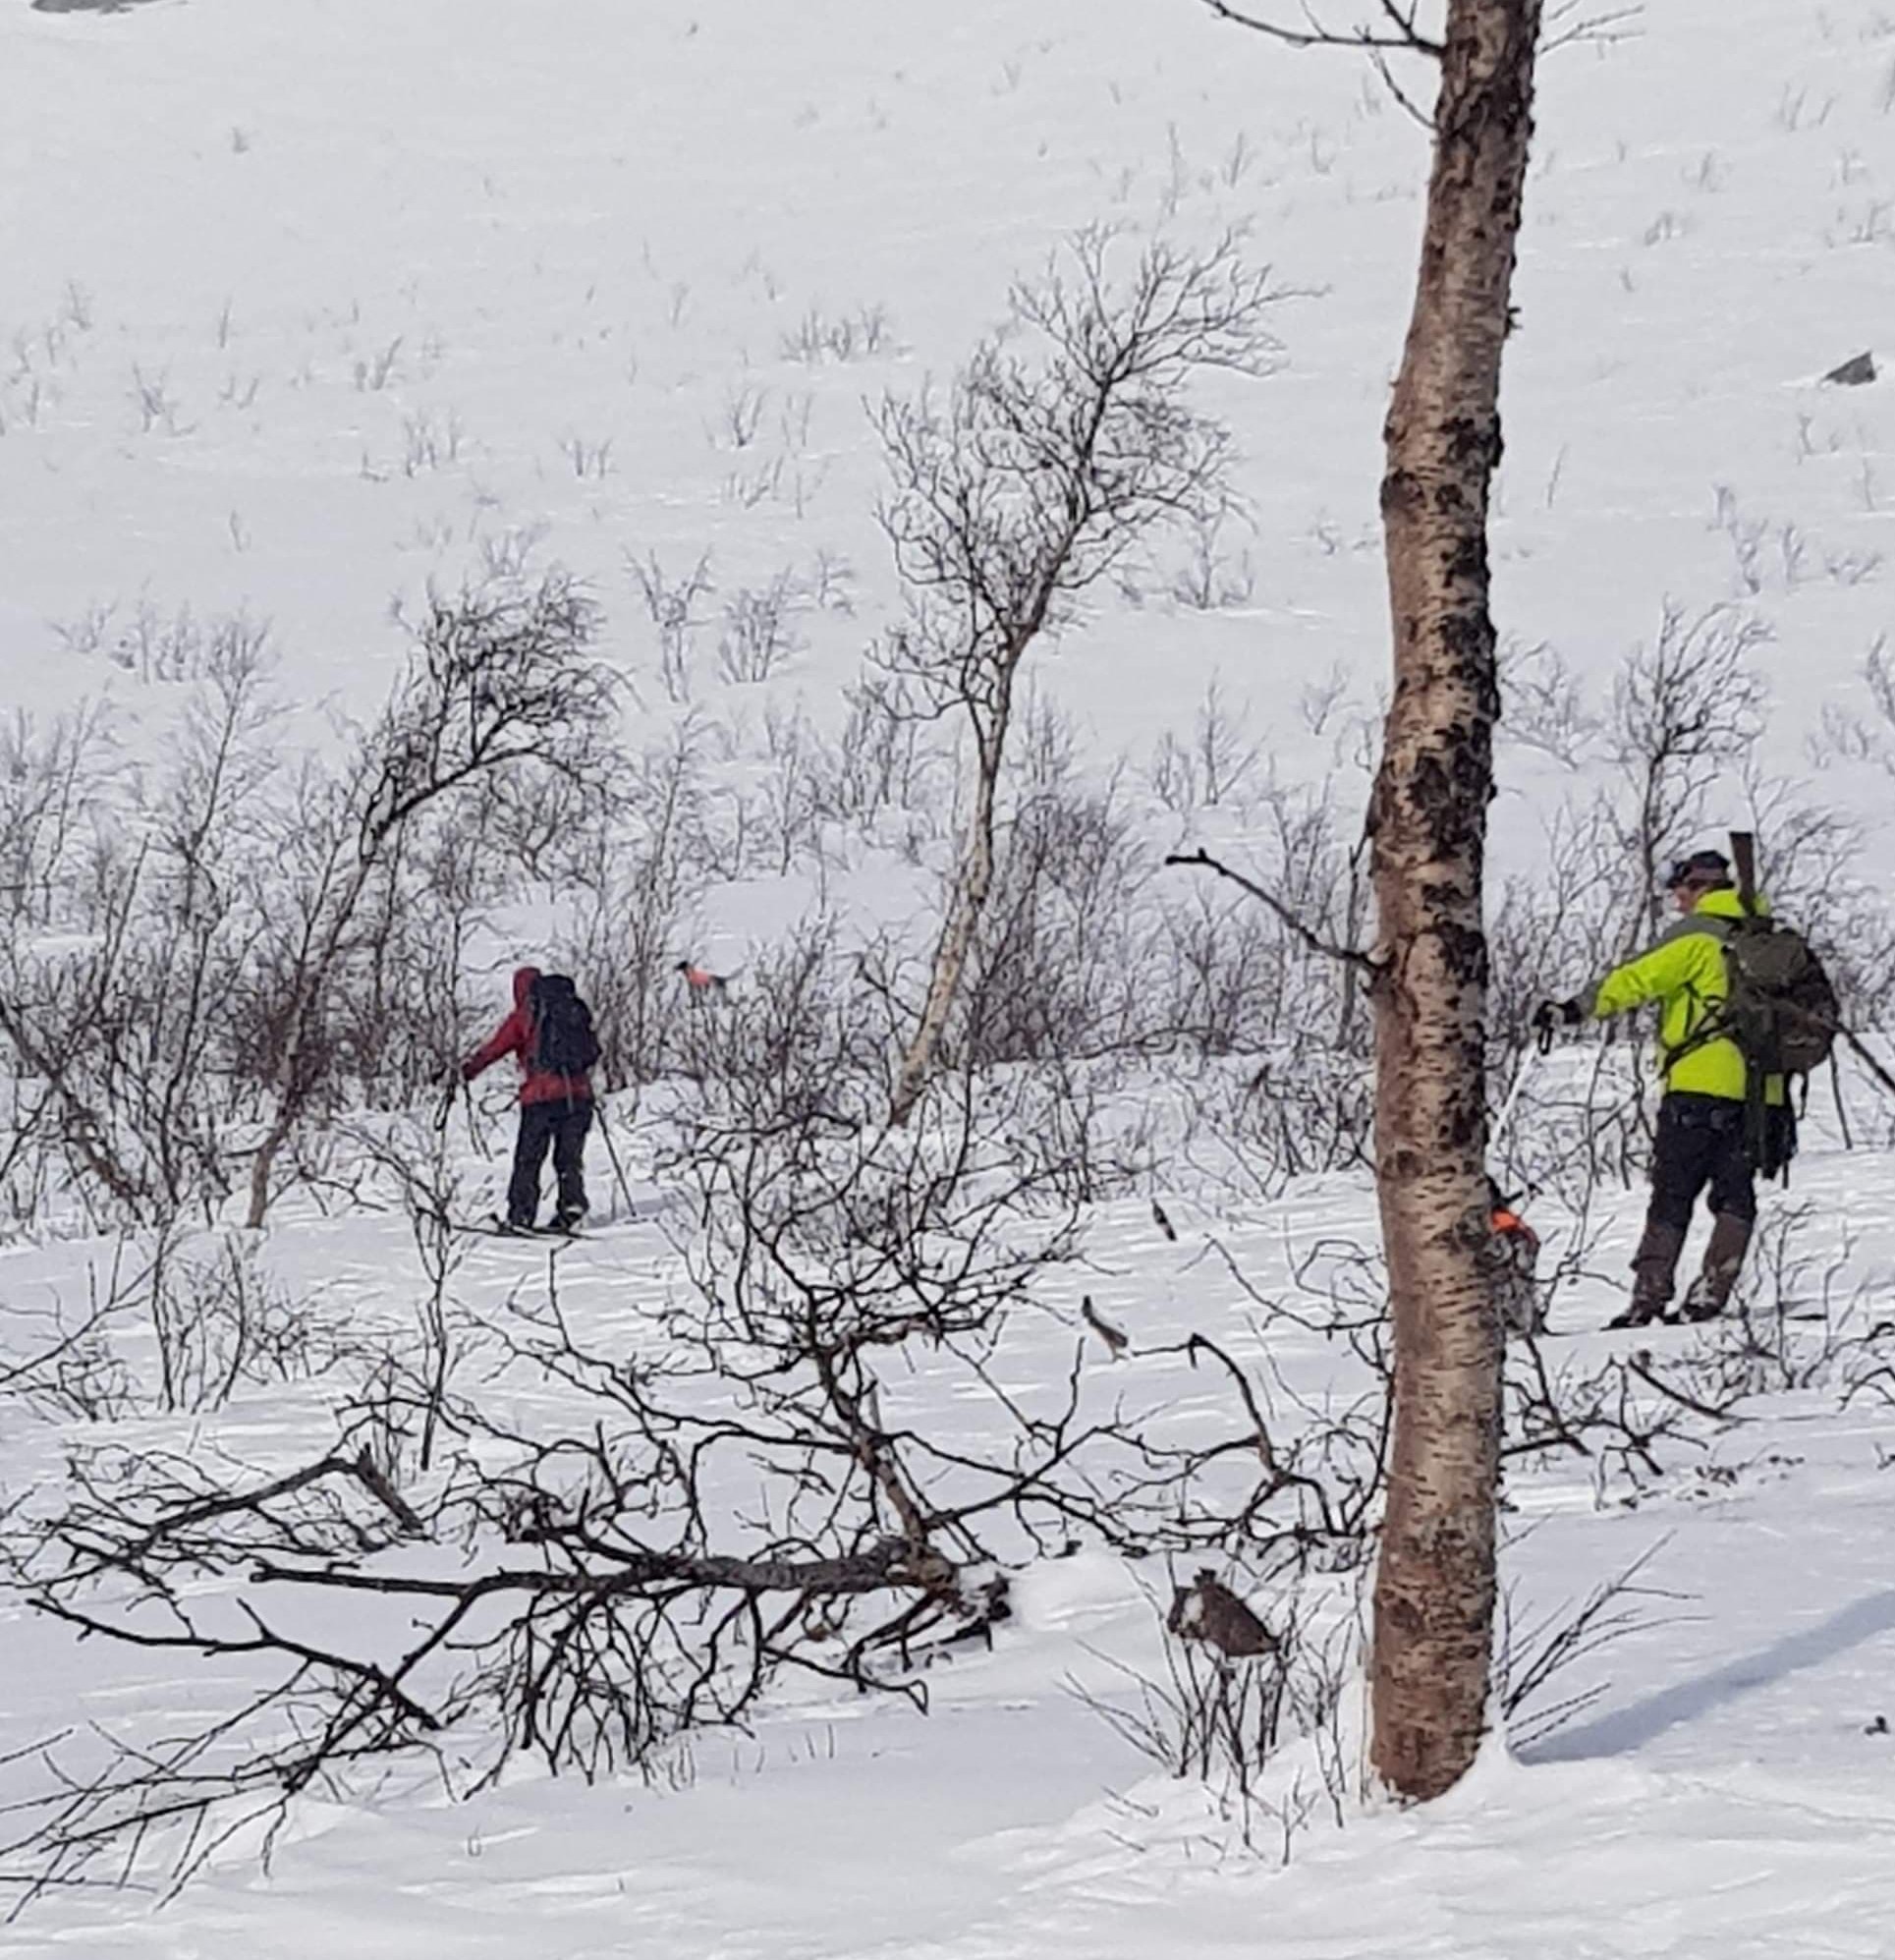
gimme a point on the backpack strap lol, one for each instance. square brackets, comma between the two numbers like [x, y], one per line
[1711, 1022]
[1756, 1101]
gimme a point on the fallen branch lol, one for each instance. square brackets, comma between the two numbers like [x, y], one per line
[1639, 1364]
[891, 1565]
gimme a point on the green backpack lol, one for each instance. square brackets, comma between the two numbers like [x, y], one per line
[1781, 1012]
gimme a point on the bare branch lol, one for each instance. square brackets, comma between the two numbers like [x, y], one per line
[1201, 860]
[1567, 25]
[1400, 34]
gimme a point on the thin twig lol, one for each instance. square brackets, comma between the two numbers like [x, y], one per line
[1403, 34]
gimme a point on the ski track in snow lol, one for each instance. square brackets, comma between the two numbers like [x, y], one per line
[401, 271]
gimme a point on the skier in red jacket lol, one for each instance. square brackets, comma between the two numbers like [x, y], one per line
[555, 1109]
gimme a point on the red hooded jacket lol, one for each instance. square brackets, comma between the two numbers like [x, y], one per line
[514, 1036]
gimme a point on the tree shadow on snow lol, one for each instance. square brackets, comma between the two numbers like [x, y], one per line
[1623, 1731]
[85, 6]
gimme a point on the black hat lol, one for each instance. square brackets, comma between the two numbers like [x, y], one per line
[1709, 868]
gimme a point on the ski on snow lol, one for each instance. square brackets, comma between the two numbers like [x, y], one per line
[498, 1228]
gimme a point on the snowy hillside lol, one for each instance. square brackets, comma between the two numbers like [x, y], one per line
[304, 311]
[309, 309]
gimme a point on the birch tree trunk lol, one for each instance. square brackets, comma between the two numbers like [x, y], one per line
[1042, 475]
[1435, 1587]
[291, 1090]
[974, 883]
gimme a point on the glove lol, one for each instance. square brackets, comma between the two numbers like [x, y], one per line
[1552, 1014]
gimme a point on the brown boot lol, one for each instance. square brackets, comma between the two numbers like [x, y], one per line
[1655, 1273]
[1711, 1292]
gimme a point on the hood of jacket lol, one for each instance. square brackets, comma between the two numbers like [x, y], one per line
[522, 981]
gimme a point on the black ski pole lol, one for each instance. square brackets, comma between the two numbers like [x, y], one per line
[1835, 1091]
[612, 1153]
[1868, 1060]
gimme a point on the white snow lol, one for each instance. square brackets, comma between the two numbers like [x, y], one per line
[305, 303]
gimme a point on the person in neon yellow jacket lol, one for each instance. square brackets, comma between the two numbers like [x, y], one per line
[1703, 1138]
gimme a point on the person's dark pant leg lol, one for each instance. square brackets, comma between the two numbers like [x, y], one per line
[570, 1126]
[1733, 1183]
[536, 1134]
[1684, 1156]
[1680, 1166]
[1733, 1203]
[1701, 1144]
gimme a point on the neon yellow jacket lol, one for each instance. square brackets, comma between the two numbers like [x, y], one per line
[1683, 972]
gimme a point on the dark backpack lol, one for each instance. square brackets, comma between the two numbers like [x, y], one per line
[563, 1041]
[1781, 1011]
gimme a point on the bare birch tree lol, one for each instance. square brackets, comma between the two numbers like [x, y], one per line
[1435, 1584]
[501, 696]
[1030, 482]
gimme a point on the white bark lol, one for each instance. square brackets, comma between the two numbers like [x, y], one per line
[1434, 1588]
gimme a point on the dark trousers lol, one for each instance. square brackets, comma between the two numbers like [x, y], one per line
[562, 1127]
[1700, 1145]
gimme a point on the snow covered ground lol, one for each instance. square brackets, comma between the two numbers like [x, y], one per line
[306, 305]
[1727, 1792]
